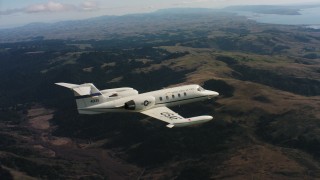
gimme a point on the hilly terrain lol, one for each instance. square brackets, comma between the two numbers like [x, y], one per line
[266, 119]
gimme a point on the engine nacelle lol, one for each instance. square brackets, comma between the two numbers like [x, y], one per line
[128, 93]
[119, 92]
[140, 103]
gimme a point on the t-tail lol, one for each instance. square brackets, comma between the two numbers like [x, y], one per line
[86, 95]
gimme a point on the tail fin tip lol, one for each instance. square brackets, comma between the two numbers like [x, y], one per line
[67, 85]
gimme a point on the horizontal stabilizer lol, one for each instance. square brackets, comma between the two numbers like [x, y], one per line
[67, 85]
[82, 90]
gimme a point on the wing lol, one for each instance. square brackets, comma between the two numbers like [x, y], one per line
[164, 114]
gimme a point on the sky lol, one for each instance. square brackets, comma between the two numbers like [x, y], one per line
[20, 12]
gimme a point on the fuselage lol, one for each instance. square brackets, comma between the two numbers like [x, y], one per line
[165, 97]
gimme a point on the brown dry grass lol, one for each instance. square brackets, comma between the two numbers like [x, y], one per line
[280, 101]
[261, 162]
[39, 118]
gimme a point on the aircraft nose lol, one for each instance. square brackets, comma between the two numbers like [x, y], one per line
[213, 94]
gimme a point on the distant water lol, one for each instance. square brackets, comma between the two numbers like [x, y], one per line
[309, 17]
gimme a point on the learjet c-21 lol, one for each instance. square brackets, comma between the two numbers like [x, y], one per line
[90, 100]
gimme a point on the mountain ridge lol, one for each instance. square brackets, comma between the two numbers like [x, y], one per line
[106, 26]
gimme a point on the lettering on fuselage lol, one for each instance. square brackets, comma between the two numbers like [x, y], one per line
[94, 100]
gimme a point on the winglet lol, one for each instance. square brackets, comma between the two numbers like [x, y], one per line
[170, 125]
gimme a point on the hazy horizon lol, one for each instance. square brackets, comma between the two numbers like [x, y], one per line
[15, 13]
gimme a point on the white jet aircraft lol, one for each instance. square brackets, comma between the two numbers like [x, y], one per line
[155, 103]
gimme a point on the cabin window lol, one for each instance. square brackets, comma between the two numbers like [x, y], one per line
[172, 96]
[167, 97]
[179, 95]
[160, 98]
[185, 94]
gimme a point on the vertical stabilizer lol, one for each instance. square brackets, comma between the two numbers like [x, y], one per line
[86, 95]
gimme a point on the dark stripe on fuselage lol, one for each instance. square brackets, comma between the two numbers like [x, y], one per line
[88, 96]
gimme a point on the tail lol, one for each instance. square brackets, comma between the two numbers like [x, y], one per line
[86, 95]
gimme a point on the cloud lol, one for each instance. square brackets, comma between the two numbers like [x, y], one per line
[48, 7]
[193, 2]
[89, 6]
[53, 7]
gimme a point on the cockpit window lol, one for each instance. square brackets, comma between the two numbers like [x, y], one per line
[200, 89]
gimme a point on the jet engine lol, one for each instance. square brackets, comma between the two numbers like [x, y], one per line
[140, 103]
[128, 93]
[119, 92]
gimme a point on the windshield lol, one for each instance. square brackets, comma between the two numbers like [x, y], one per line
[200, 89]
